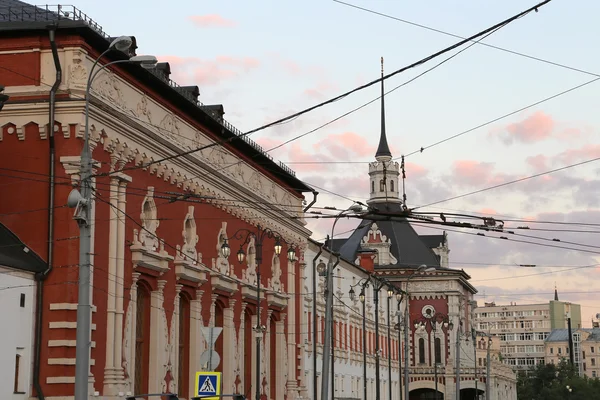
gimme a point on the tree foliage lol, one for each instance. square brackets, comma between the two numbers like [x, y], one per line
[552, 382]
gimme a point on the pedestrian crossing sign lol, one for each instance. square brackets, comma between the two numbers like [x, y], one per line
[208, 384]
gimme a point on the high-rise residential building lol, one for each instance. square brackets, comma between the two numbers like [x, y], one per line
[523, 328]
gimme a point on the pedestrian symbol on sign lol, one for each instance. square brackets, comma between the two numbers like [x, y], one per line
[207, 386]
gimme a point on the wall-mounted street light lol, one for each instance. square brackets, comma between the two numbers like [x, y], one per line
[259, 236]
[81, 200]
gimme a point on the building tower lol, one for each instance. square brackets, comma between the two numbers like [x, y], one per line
[384, 172]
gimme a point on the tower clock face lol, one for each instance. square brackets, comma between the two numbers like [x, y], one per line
[428, 311]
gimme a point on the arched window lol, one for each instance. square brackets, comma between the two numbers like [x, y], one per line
[391, 186]
[372, 186]
[382, 185]
[421, 351]
[438, 350]
[142, 340]
[184, 346]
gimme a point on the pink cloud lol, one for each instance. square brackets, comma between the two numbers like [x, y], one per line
[487, 211]
[473, 173]
[305, 161]
[346, 146]
[539, 162]
[201, 72]
[535, 128]
[211, 21]
[320, 91]
[414, 170]
[586, 152]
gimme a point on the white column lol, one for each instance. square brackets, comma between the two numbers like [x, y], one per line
[174, 341]
[229, 348]
[119, 281]
[197, 344]
[280, 384]
[110, 387]
[158, 340]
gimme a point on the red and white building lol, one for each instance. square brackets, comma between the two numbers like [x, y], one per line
[158, 273]
[438, 296]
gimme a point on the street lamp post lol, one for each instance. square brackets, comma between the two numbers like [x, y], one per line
[355, 208]
[81, 200]
[422, 268]
[259, 236]
[361, 297]
[377, 286]
[487, 366]
[389, 346]
[399, 296]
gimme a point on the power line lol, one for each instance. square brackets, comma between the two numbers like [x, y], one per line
[508, 239]
[509, 182]
[461, 37]
[500, 118]
[413, 65]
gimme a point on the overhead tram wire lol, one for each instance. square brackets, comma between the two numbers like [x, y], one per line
[343, 95]
[509, 182]
[413, 65]
[429, 28]
[361, 107]
[501, 117]
[507, 239]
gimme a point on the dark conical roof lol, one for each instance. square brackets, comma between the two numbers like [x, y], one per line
[383, 149]
[408, 247]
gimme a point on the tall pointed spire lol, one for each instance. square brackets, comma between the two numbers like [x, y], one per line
[383, 150]
[555, 293]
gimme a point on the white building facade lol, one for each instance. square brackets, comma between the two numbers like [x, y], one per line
[18, 266]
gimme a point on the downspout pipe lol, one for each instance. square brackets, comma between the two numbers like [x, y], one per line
[314, 319]
[314, 200]
[51, 182]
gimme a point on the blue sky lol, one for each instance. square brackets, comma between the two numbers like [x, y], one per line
[266, 59]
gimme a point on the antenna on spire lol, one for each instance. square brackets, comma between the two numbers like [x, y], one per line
[383, 150]
[403, 182]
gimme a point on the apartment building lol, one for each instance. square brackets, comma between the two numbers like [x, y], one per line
[586, 349]
[523, 328]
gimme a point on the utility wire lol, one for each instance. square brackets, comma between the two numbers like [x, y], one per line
[461, 37]
[509, 182]
[413, 65]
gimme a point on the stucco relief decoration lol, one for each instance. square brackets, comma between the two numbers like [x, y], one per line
[256, 182]
[375, 239]
[78, 74]
[190, 237]
[150, 222]
[109, 87]
[142, 111]
[273, 193]
[275, 281]
[221, 264]
[249, 274]
[240, 172]
[129, 336]
[169, 124]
